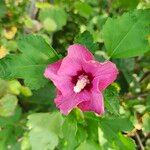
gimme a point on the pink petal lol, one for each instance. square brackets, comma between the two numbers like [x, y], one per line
[95, 104]
[77, 51]
[52, 69]
[69, 67]
[63, 83]
[104, 73]
[72, 63]
[67, 103]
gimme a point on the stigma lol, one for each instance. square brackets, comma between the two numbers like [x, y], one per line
[81, 83]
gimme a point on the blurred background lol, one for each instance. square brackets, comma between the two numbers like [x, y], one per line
[61, 23]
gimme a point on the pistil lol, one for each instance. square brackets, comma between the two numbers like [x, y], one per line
[81, 83]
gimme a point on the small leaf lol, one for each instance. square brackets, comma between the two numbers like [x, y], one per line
[83, 9]
[8, 105]
[53, 14]
[49, 25]
[146, 122]
[14, 87]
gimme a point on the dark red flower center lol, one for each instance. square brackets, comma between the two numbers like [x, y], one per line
[82, 81]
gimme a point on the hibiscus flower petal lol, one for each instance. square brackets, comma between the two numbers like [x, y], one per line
[63, 83]
[95, 103]
[104, 73]
[52, 69]
[77, 51]
[69, 67]
[72, 63]
[67, 103]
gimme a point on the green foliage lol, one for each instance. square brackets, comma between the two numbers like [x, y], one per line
[88, 145]
[30, 65]
[127, 67]
[3, 87]
[111, 100]
[69, 132]
[8, 105]
[126, 4]
[126, 36]
[86, 39]
[44, 130]
[146, 122]
[111, 129]
[53, 18]
[14, 87]
[2, 9]
[28, 119]
[84, 9]
[10, 131]
[148, 102]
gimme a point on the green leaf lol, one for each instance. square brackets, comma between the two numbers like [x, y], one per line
[43, 139]
[36, 49]
[127, 67]
[127, 35]
[43, 96]
[83, 9]
[69, 132]
[92, 121]
[3, 9]
[25, 143]
[45, 130]
[148, 103]
[146, 122]
[45, 120]
[4, 63]
[14, 87]
[8, 138]
[3, 87]
[30, 65]
[88, 145]
[117, 124]
[11, 120]
[111, 100]
[8, 105]
[124, 143]
[86, 39]
[25, 91]
[56, 16]
[81, 134]
[112, 128]
[49, 24]
[127, 4]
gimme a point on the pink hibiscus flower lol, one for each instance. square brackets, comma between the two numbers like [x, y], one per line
[80, 80]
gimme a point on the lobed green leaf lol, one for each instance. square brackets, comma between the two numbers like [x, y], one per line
[127, 35]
